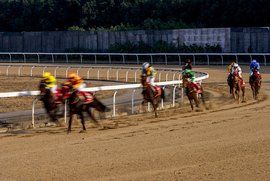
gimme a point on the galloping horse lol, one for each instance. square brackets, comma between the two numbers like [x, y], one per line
[236, 85]
[77, 105]
[152, 94]
[50, 102]
[193, 93]
[255, 83]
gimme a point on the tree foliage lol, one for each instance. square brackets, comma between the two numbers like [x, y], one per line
[51, 15]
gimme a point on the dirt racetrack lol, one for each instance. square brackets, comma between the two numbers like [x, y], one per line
[229, 141]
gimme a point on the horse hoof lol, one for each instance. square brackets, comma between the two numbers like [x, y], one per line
[68, 131]
[82, 131]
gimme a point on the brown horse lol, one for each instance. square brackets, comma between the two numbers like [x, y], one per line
[194, 93]
[237, 85]
[255, 83]
[50, 103]
[77, 105]
[152, 94]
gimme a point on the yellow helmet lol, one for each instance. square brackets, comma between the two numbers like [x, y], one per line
[46, 75]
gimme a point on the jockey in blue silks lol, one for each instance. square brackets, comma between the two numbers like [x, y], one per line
[254, 65]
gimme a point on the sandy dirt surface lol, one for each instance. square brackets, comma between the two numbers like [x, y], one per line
[228, 141]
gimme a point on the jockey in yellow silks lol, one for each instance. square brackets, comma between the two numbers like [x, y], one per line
[149, 72]
[50, 81]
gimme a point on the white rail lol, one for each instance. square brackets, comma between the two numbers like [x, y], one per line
[174, 83]
[83, 58]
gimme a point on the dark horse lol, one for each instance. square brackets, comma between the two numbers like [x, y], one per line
[77, 105]
[255, 83]
[193, 93]
[150, 95]
[236, 85]
[50, 103]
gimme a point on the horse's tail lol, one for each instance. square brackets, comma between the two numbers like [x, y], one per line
[99, 106]
[162, 93]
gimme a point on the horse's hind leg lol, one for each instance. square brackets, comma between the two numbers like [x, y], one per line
[191, 104]
[69, 123]
[82, 120]
[92, 117]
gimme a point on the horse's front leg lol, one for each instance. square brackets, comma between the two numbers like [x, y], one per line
[155, 105]
[191, 104]
[143, 105]
[243, 94]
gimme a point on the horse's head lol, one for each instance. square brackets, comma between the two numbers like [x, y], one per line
[42, 88]
[66, 90]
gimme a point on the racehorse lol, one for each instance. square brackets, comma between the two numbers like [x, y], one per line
[237, 85]
[77, 105]
[50, 102]
[193, 93]
[152, 94]
[255, 83]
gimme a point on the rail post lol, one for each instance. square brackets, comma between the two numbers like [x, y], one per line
[222, 60]
[135, 75]
[117, 74]
[194, 60]
[110, 60]
[81, 58]
[174, 89]
[166, 60]
[162, 101]
[114, 95]
[127, 75]
[159, 77]
[132, 101]
[7, 71]
[67, 71]
[174, 76]
[166, 79]
[123, 56]
[43, 70]
[33, 112]
[182, 95]
[24, 58]
[78, 70]
[31, 72]
[151, 57]
[236, 58]
[52, 58]
[108, 74]
[265, 63]
[10, 59]
[20, 71]
[95, 59]
[208, 62]
[98, 74]
[88, 71]
[55, 71]
[38, 58]
[179, 60]
[137, 58]
[66, 58]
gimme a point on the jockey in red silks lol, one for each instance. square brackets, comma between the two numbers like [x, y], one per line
[78, 84]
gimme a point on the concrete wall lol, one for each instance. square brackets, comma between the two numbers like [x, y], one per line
[230, 39]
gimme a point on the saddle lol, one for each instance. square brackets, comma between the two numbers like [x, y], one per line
[195, 87]
[86, 97]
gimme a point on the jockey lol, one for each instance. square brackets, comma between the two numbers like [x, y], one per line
[76, 81]
[149, 72]
[229, 67]
[188, 65]
[189, 74]
[254, 65]
[237, 68]
[50, 82]
[78, 84]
